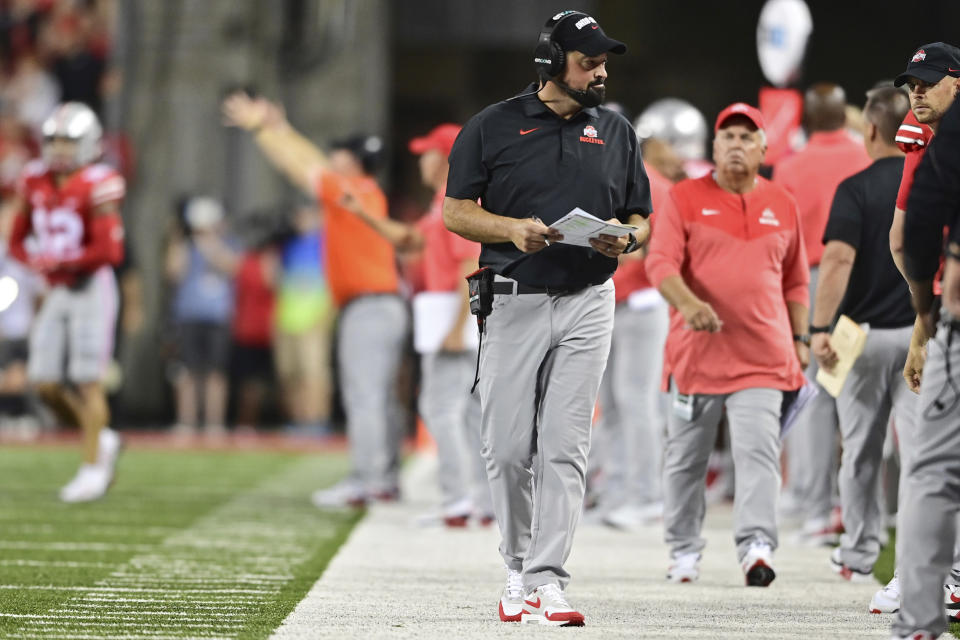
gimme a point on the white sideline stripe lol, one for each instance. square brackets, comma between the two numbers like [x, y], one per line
[102, 589]
[56, 563]
[74, 636]
[433, 583]
[98, 616]
[82, 607]
[75, 546]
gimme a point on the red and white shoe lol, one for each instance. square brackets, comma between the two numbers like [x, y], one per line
[757, 565]
[685, 568]
[887, 599]
[951, 601]
[915, 635]
[511, 602]
[547, 606]
[849, 573]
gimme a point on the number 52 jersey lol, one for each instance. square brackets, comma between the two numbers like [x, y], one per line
[62, 228]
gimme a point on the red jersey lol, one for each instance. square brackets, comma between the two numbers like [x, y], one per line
[60, 228]
[744, 255]
[254, 302]
[631, 275]
[812, 176]
[444, 250]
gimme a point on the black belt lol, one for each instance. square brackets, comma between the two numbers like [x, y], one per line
[509, 288]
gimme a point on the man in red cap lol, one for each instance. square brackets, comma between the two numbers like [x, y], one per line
[441, 322]
[728, 256]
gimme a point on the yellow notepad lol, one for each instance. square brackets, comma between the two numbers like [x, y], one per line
[847, 339]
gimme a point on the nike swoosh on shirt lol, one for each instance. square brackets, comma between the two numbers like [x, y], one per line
[710, 212]
[523, 133]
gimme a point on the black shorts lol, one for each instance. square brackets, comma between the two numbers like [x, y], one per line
[203, 347]
[251, 362]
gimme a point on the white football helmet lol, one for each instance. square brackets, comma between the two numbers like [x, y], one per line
[77, 122]
[676, 122]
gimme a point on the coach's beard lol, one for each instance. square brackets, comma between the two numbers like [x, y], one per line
[591, 97]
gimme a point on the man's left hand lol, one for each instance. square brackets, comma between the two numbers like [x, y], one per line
[822, 351]
[610, 246]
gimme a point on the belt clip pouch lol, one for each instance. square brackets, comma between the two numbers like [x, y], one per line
[480, 284]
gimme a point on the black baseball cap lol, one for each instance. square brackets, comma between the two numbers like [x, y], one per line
[580, 32]
[931, 63]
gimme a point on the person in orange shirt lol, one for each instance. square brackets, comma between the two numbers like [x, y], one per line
[728, 256]
[812, 176]
[361, 269]
[450, 411]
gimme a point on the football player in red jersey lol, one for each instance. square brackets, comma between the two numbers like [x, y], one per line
[68, 228]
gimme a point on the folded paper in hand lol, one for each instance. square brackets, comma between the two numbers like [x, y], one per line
[847, 339]
[578, 227]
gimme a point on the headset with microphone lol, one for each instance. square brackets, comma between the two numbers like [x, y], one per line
[549, 57]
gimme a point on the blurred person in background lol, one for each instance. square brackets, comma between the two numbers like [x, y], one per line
[255, 276]
[628, 439]
[361, 268]
[673, 133]
[21, 291]
[304, 325]
[200, 264]
[450, 411]
[68, 227]
[728, 256]
[31, 92]
[859, 279]
[811, 176]
[16, 149]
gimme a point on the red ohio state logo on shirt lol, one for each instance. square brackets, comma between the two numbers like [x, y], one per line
[590, 135]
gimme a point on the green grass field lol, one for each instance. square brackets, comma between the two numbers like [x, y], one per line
[186, 544]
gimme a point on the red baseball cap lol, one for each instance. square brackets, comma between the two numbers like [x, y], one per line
[739, 109]
[440, 138]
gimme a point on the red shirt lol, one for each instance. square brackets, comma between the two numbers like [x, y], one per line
[812, 176]
[444, 250]
[744, 255]
[254, 302]
[359, 260]
[631, 274]
[60, 223]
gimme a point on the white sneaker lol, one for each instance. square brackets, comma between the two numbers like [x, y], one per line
[630, 517]
[757, 565]
[685, 568]
[915, 635]
[108, 448]
[90, 483]
[887, 600]
[343, 494]
[951, 601]
[848, 573]
[547, 606]
[511, 602]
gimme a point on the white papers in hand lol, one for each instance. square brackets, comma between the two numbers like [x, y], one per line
[578, 227]
[434, 313]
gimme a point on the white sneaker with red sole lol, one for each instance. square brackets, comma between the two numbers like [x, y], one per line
[915, 635]
[757, 565]
[511, 602]
[887, 600]
[848, 573]
[685, 568]
[547, 606]
[951, 601]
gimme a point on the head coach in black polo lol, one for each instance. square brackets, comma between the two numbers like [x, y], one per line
[529, 161]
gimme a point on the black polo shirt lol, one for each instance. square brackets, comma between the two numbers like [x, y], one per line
[861, 216]
[523, 160]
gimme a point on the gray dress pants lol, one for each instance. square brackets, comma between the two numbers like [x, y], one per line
[754, 420]
[542, 358]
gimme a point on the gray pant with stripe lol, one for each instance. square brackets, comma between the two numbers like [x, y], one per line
[541, 362]
[452, 414]
[370, 342]
[812, 444]
[754, 419]
[930, 491]
[632, 422]
[874, 387]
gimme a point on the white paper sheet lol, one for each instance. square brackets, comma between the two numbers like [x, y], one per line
[578, 227]
[434, 313]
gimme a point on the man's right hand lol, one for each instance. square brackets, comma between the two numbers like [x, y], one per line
[700, 316]
[530, 235]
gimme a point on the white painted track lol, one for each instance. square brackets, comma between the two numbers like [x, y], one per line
[394, 580]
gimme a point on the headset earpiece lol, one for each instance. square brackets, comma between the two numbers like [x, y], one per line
[549, 57]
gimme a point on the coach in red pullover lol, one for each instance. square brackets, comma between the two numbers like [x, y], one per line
[728, 256]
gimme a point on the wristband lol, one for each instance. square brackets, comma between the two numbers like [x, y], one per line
[813, 329]
[803, 338]
[632, 244]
